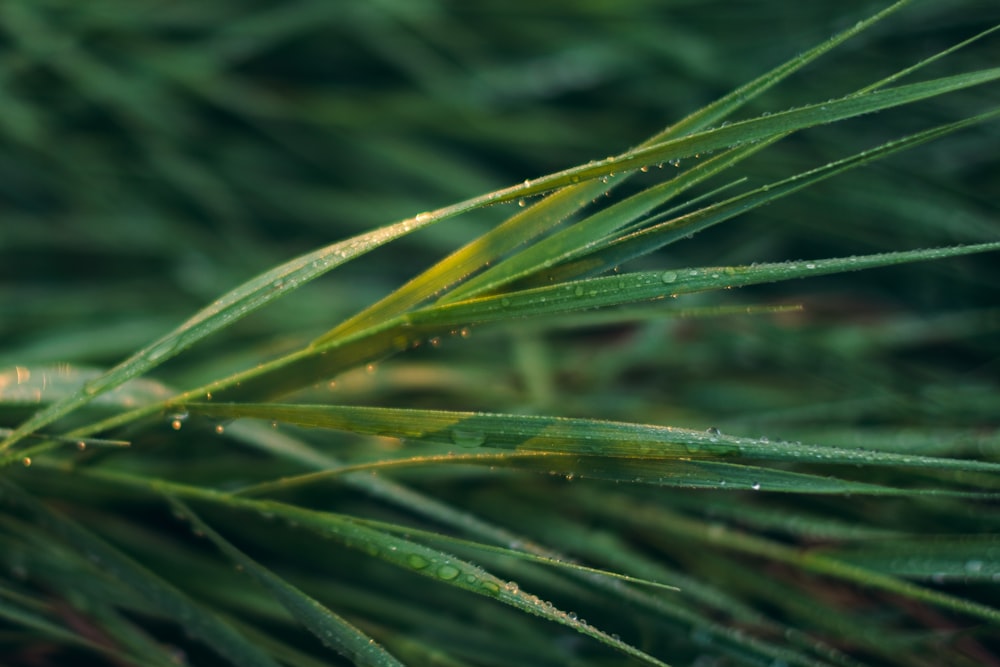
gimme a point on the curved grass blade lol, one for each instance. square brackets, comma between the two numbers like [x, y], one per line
[164, 596]
[428, 536]
[407, 554]
[335, 632]
[563, 435]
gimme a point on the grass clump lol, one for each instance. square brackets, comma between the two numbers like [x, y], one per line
[548, 433]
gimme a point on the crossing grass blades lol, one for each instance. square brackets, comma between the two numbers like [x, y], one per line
[258, 518]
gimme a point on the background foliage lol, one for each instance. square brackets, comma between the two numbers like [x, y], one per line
[155, 155]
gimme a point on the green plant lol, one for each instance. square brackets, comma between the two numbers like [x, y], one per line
[259, 507]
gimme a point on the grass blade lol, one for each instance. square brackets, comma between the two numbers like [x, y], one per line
[334, 631]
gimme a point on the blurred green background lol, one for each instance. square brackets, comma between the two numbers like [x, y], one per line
[155, 154]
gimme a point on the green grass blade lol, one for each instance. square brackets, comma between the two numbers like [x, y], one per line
[563, 435]
[961, 558]
[657, 236]
[335, 632]
[676, 472]
[710, 533]
[170, 601]
[725, 106]
[649, 285]
[407, 554]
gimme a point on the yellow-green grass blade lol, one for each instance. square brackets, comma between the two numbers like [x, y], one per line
[675, 472]
[564, 435]
[575, 240]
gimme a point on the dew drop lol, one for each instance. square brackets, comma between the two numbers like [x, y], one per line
[578, 291]
[668, 276]
[447, 572]
[521, 202]
[467, 437]
[26, 461]
[810, 266]
[505, 302]
[712, 430]
[220, 429]
[755, 486]
[81, 445]
[417, 562]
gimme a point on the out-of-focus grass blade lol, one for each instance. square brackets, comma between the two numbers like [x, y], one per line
[568, 436]
[411, 556]
[79, 442]
[955, 557]
[334, 631]
[40, 385]
[711, 533]
[46, 627]
[164, 596]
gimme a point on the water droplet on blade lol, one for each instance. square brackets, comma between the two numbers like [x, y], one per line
[467, 437]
